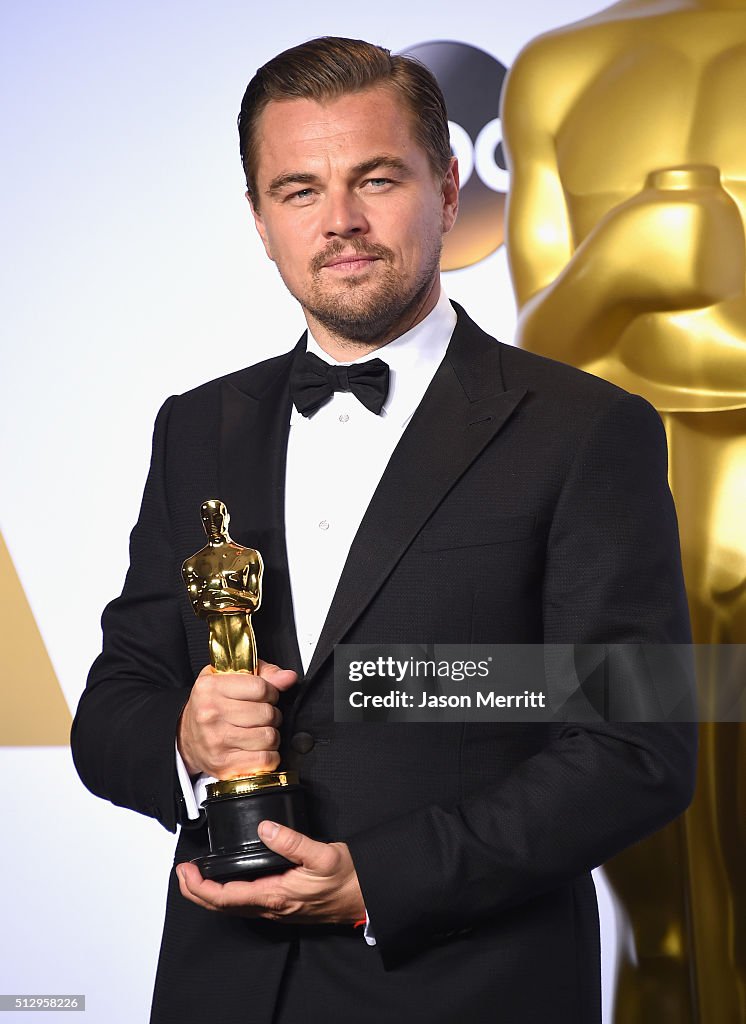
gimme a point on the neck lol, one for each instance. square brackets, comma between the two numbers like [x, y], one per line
[345, 349]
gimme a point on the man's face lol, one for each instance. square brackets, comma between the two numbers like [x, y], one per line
[351, 212]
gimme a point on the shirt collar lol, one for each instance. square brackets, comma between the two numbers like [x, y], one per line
[413, 358]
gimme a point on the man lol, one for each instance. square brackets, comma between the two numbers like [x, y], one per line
[493, 497]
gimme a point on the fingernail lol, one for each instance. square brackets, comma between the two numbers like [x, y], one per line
[268, 829]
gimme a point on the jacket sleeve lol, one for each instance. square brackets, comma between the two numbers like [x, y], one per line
[124, 730]
[612, 575]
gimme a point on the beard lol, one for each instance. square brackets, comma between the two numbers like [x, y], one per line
[359, 312]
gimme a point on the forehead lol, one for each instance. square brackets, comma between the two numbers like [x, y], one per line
[305, 134]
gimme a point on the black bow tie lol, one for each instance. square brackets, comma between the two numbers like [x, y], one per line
[313, 382]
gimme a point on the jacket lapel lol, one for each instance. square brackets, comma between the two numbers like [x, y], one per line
[462, 410]
[255, 422]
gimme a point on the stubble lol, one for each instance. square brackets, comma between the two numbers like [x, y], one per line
[357, 312]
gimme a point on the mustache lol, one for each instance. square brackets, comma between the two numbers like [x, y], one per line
[341, 247]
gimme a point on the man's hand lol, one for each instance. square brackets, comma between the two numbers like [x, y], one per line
[323, 889]
[230, 723]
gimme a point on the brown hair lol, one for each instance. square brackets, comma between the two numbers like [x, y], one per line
[330, 67]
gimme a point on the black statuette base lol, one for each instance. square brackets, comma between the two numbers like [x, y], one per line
[236, 851]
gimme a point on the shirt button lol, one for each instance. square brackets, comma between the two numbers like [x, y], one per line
[343, 417]
[302, 742]
[324, 525]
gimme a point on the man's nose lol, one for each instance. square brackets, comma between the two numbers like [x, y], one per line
[343, 215]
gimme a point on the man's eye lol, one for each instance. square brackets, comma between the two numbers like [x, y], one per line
[300, 196]
[378, 182]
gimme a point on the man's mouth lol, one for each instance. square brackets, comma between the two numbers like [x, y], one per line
[350, 263]
[355, 259]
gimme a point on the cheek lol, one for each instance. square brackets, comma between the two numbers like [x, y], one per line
[293, 269]
[296, 247]
[283, 237]
[423, 225]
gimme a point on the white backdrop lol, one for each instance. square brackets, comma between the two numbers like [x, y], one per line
[130, 271]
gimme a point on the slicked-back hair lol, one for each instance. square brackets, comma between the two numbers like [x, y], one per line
[329, 67]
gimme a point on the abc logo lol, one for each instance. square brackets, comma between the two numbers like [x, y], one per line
[472, 81]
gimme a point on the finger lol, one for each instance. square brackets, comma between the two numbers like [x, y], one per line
[189, 885]
[249, 714]
[203, 891]
[251, 739]
[245, 897]
[318, 858]
[241, 686]
[238, 763]
[281, 678]
[233, 741]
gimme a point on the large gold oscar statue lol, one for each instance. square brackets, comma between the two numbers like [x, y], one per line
[626, 142]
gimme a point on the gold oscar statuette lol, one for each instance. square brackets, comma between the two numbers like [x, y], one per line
[224, 583]
[627, 245]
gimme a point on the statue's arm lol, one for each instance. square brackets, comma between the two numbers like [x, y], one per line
[653, 252]
[550, 273]
[539, 234]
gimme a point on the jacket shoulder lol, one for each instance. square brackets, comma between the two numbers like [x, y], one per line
[197, 412]
[552, 376]
[563, 399]
[522, 368]
[251, 380]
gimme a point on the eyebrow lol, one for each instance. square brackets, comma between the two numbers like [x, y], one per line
[290, 178]
[391, 163]
[384, 161]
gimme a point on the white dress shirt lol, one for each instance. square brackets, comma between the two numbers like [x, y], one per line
[335, 460]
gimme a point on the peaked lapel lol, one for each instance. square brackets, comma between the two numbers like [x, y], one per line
[462, 410]
[254, 428]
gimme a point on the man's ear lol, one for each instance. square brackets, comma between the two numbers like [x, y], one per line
[260, 226]
[450, 196]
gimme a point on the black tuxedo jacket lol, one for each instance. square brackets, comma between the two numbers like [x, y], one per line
[525, 502]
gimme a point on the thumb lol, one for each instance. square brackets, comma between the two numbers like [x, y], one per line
[320, 858]
[281, 678]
